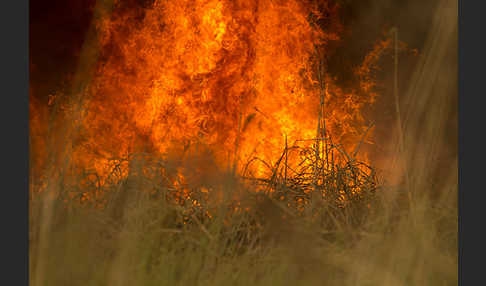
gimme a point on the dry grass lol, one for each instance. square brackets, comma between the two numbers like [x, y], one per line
[141, 238]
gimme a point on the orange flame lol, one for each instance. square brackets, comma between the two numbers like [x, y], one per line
[237, 76]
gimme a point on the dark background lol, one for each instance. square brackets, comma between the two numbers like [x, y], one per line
[57, 30]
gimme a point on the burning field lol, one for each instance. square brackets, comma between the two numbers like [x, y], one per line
[209, 142]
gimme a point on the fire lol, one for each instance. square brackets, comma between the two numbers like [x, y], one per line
[236, 76]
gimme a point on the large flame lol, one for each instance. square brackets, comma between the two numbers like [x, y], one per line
[235, 76]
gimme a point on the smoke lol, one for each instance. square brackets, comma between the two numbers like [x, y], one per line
[426, 35]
